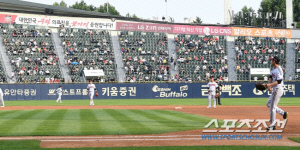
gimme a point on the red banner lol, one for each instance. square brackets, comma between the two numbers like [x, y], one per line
[4, 18]
[146, 27]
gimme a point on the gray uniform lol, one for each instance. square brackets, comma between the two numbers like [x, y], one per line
[1, 98]
[277, 74]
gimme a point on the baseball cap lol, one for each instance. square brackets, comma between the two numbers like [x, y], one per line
[276, 59]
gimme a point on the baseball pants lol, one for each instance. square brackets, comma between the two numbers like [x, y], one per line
[272, 104]
[59, 98]
[91, 95]
[1, 100]
[219, 99]
[212, 95]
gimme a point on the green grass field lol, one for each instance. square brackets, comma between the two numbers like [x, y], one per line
[96, 122]
[114, 121]
[35, 145]
[296, 139]
[203, 101]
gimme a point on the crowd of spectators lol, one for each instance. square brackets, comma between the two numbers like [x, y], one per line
[145, 57]
[256, 53]
[31, 54]
[197, 58]
[88, 50]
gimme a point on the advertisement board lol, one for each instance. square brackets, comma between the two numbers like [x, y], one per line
[259, 73]
[261, 32]
[53, 21]
[137, 91]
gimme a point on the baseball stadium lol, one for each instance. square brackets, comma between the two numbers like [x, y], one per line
[77, 76]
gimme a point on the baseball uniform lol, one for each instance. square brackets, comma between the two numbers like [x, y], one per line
[277, 75]
[59, 92]
[91, 88]
[212, 86]
[1, 98]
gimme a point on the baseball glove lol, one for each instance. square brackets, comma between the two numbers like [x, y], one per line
[217, 95]
[260, 86]
[97, 94]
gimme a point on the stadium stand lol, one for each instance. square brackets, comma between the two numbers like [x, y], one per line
[32, 54]
[297, 58]
[3, 78]
[199, 57]
[145, 56]
[256, 52]
[88, 50]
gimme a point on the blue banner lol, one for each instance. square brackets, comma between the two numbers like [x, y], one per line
[137, 91]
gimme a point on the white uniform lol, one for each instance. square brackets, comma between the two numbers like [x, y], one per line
[91, 88]
[212, 92]
[59, 92]
[1, 98]
[277, 74]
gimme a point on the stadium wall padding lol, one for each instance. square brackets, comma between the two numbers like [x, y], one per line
[137, 91]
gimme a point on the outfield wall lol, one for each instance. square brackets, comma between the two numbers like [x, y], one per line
[137, 91]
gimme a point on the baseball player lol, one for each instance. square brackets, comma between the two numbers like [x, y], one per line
[59, 92]
[1, 98]
[275, 85]
[212, 87]
[91, 88]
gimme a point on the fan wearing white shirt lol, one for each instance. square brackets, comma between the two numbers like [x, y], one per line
[266, 78]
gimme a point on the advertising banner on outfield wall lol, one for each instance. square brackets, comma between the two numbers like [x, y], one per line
[261, 32]
[137, 91]
[144, 27]
[57, 21]
[201, 30]
[176, 29]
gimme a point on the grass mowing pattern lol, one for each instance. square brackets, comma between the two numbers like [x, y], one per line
[71, 119]
[285, 101]
[96, 122]
[109, 124]
[51, 124]
[173, 124]
[132, 126]
[35, 145]
[89, 124]
[8, 125]
[3, 113]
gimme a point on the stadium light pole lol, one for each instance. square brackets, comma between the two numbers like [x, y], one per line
[166, 10]
[107, 7]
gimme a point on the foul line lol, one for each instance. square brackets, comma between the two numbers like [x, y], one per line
[116, 138]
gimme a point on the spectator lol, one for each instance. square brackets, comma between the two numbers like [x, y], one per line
[47, 72]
